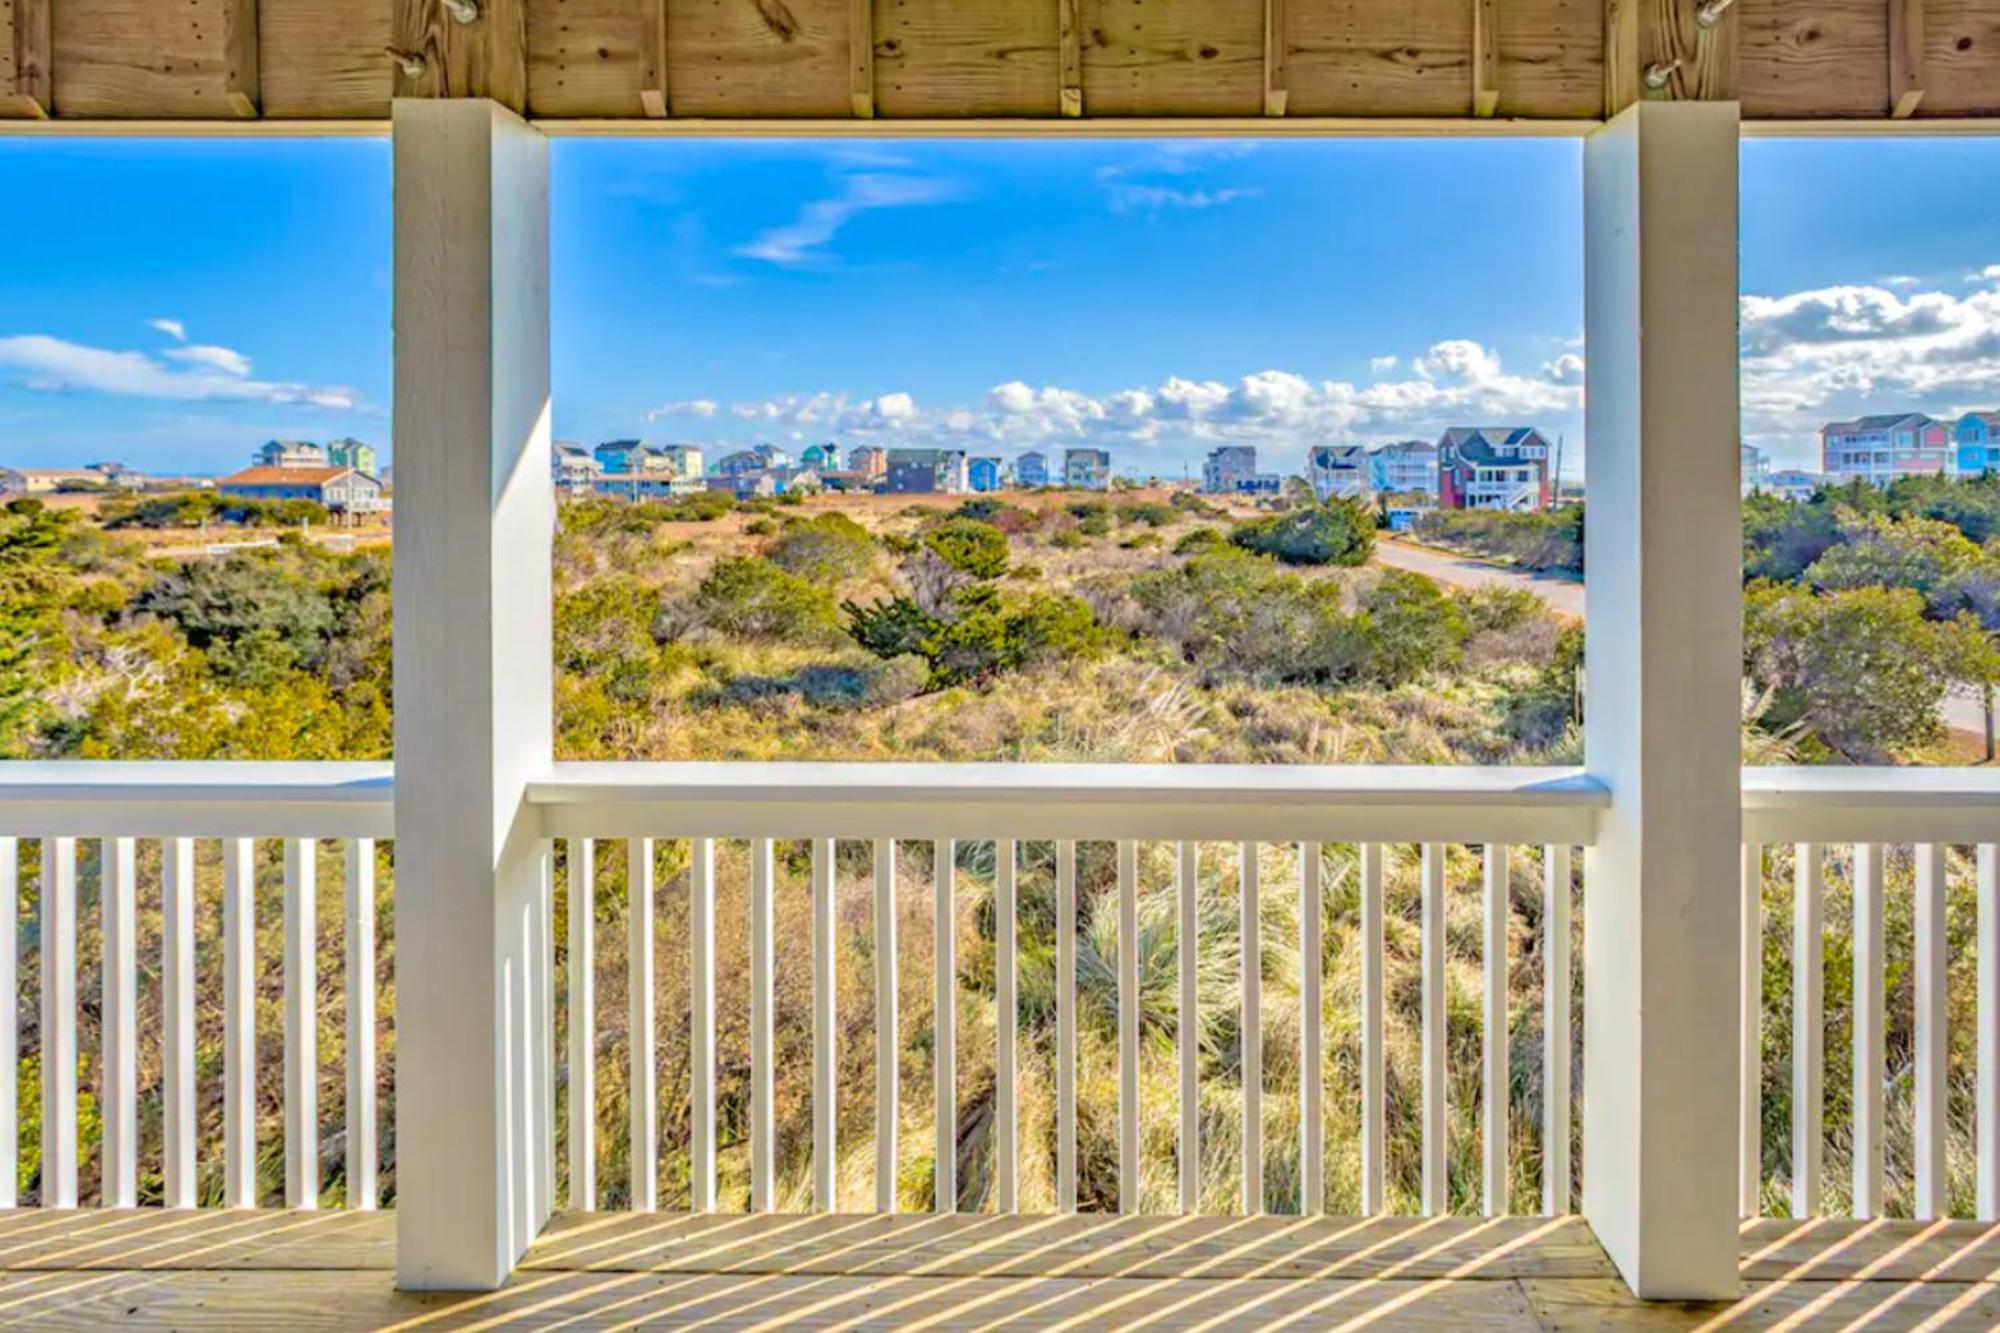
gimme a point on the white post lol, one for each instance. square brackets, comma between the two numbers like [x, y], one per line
[1661, 711]
[475, 523]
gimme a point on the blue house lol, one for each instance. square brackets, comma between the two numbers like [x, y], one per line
[983, 474]
[1977, 436]
[616, 456]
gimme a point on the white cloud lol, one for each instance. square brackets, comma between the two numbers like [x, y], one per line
[215, 374]
[1462, 382]
[805, 240]
[227, 360]
[1127, 197]
[1565, 369]
[1835, 352]
[686, 407]
[1381, 365]
[173, 328]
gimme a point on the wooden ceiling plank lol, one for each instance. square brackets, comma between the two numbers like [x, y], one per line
[1276, 39]
[1485, 57]
[861, 57]
[1173, 57]
[1069, 57]
[26, 93]
[323, 59]
[1806, 59]
[653, 58]
[1906, 57]
[1364, 57]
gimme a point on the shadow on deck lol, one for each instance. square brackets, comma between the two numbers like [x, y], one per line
[335, 1270]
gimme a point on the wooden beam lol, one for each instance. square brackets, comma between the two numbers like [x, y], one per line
[1069, 61]
[1275, 39]
[1669, 50]
[486, 57]
[27, 90]
[653, 58]
[861, 57]
[1906, 57]
[241, 85]
[1485, 57]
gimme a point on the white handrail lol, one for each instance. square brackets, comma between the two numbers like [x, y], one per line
[195, 799]
[1179, 802]
[1222, 802]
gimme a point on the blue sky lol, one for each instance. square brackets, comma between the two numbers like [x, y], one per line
[187, 300]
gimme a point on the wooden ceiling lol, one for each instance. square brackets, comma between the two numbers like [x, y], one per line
[985, 60]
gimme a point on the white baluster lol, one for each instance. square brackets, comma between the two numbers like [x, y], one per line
[1312, 1066]
[944, 923]
[1493, 1108]
[362, 1152]
[1065, 1027]
[1933, 1048]
[177, 1075]
[582, 910]
[118, 980]
[1435, 1182]
[1187, 886]
[642, 1094]
[763, 1128]
[1006, 1111]
[1555, 1029]
[701, 1023]
[301, 1025]
[1870, 1048]
[888, 1047]
[1128, 1027]
[10, 1021]
[1372, 1111]
[1988, 962]
[59, 1127]
[239, 1022]
[1808, 1032]
[825, 1070]
[1250, 928]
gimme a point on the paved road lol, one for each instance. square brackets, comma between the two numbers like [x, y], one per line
[1962, 711]
[1564, 596]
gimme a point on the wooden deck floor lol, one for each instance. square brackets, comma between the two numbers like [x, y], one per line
[335, 1270]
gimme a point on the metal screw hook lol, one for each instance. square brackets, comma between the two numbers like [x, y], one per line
[1711, 12]
[410, 62]
[1657, 75]
[463, 11]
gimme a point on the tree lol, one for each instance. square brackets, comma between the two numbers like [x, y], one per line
[1862, 668]
[1338, 532]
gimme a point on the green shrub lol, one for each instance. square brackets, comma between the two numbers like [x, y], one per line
[969, 546]
[752, 598]
[1338, 532]
[1197, 540]
[1413, 629]
[829, 548]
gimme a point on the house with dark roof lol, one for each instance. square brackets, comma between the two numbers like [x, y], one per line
[1493, 467]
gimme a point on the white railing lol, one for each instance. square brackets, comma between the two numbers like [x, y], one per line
[68, 810]
[1797, 823]
[1856, 821]
[1009, 807]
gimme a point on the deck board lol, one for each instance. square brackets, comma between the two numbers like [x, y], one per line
[1081, 1246]
[153, 1269]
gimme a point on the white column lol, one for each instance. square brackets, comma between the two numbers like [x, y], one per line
[475, 518]
[1662, 603]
